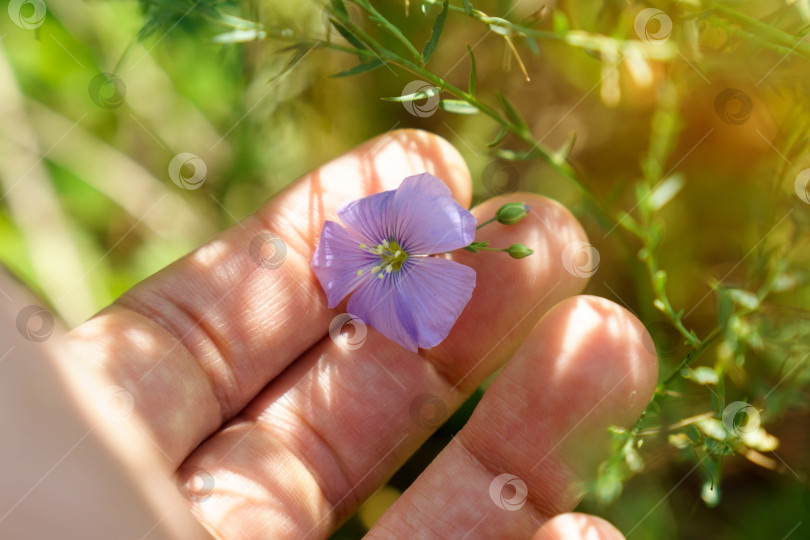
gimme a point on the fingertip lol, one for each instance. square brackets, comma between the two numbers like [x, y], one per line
[577, 526]
[597, 330]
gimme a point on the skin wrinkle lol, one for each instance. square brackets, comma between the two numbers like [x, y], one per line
[153, 311]
[315, 472]
[135, 377]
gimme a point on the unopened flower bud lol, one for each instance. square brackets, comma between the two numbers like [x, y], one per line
[511, 213]
[518, 251]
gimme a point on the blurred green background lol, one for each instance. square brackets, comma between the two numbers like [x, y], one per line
[97, 98]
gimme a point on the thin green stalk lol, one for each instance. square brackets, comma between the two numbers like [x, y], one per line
[691, 356]
[758, 28]
[391, 28]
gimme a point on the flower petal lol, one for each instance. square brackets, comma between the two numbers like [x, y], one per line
[368, 217]
[336, 261]
[426, 219]
[417, 306]
[375, 302]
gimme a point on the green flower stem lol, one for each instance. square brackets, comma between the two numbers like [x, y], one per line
[758, 28]
[574, 38]
[690, 357]
[487, 222]
[536, 149]
[391, 28]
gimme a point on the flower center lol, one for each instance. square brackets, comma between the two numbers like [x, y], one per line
[392, 256]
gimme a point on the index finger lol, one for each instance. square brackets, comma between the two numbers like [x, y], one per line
[198, 340]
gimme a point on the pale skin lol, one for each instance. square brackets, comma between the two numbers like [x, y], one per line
[229, 375]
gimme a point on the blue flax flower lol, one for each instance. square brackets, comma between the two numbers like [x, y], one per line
[382, 256]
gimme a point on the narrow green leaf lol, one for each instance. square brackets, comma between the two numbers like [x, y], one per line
[301, 50]
[499, 138]
[665, 191]
[360, 68]
[239, 36]
[560, 22]
[512, 155]
[340, 8]
[512, 113]
[347, 34]
[438, 26]
[458, 106]
[467, 8]
[565, 150]
[473, 75]
[532, 45]
[499, 26]
[703, 375]
[237, 22]
[416, 96]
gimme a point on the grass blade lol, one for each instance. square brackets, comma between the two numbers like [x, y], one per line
[458, 106]
[438, 26]
[360, 68]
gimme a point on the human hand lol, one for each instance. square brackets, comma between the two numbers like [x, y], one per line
[221, 369]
